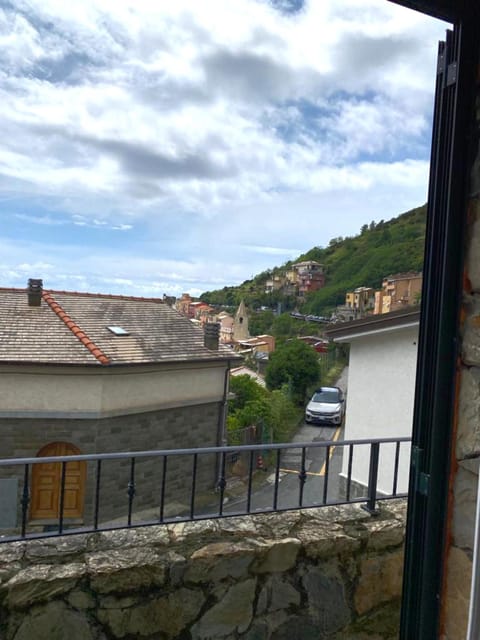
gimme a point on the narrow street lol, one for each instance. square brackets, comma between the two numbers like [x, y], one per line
[290, 467]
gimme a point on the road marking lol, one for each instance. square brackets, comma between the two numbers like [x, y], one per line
[322, 470]
[332, 449]
[297, 471]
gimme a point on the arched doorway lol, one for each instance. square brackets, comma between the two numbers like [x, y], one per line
[46, 483]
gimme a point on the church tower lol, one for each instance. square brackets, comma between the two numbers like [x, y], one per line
[240, 327]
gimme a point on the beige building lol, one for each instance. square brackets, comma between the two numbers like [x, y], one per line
[259, 344]
[275, 283]
[398, 291]
[226, 322]
[182, 305]
[361, 300]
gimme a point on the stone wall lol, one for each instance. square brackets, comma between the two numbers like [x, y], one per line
[188, 427]
[329, 574]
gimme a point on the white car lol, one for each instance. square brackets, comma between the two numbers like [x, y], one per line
[326, 406]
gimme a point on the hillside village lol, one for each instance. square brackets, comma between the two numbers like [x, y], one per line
[380, 249]
[398, 291]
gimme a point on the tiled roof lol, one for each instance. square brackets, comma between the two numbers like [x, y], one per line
[71, 328]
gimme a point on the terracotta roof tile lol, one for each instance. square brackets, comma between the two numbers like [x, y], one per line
[75, 329]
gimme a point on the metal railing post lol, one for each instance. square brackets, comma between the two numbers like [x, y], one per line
[370, 506]
[302, 477]
[97, 494]
[131, 491]
[62, 496]
[222, 483]
[25, 501]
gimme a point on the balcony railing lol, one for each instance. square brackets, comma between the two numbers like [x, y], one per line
[136, 489]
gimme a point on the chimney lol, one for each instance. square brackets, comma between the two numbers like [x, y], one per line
[35, 289]
[211, 335]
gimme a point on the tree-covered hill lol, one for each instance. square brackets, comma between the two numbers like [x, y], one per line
[380, 249]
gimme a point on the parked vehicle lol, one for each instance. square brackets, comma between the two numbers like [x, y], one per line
[326, 406]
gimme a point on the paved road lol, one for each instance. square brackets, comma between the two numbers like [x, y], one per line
[288, 492]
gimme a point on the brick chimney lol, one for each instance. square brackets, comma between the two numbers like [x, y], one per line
[35, 290]
[211, 333]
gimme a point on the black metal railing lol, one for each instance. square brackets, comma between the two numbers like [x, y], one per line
[133, 489]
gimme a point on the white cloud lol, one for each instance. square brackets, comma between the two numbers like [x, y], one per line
[140, 115]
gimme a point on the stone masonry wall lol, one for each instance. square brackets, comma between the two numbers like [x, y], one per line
[324, 574]
[467, 448]
[183, 427]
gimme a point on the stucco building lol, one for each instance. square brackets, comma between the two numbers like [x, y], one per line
[381, 391]
[92, 373]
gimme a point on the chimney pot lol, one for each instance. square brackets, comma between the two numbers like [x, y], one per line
[211, 334]
[35, 290]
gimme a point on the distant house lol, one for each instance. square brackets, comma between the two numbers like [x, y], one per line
[92, 373]
[310, 276]
[182, 305]
[259, 344]
[361, 300]
[398, 291]
[205, 314]
[380, 390]
[275, 283]
[263, 342]
[226, 322]
[199, 310]
[302, 278]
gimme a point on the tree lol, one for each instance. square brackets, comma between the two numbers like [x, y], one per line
[260, 322]
[245, 390]
[283, 414]
[273, 413]
[294, 363]
[282, 325]
[255, 412]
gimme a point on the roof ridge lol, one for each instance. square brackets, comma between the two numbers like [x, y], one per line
[74, 328]
[13, 289]
[115, 296]
[88, 294]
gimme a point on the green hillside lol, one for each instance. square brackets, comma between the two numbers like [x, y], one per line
[380, 249]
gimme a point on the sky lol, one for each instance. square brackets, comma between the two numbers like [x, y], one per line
[151, 147]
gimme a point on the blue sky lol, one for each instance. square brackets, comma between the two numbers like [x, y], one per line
[151, 148]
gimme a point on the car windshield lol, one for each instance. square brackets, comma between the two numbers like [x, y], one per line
[326, 395]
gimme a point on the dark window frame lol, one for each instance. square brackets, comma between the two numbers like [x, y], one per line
[430, 477]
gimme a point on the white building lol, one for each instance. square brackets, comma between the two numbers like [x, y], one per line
[380, 392]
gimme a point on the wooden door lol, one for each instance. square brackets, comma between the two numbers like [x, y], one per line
[46, 483]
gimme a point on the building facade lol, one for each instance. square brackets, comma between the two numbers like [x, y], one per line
[398, 291]
[88, 374]
[381, 391]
